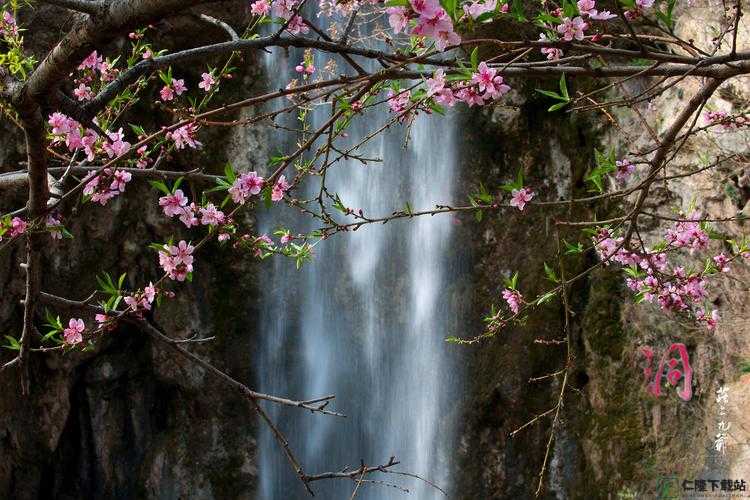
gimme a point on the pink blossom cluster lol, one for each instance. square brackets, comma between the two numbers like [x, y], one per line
[142, 301]
[572, 28]
[587, 8]
[246, 185]
[520, 197]
[279, 188]
[54, 226]
[73, 334]
[485, 85]
[262, 242]
[624, 169]
[207, 82]
[69, 130]
[673, 288]
[13, 227]
[177, 260]
[106, 185]
[688, 234]
[175, 87]
[430, 20]
[637, 11]
[399, 102]
[176, 204]
[477, 8]
[514, 299]
[8, 24]
[284, 9]
[305, 68]
[94, 66]
[185, 136]
[727, 122]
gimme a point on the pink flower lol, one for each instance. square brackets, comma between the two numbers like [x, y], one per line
[207, 81]
[286, 238]
[624, 169]
[476, 9]
[83, 92]
[166, 93]
[398, 102]
[260, 8]
[552, 53]
[281, 187]
[572, 28]
[223, 237]
[177, 261]
[297, 25]
[604, 15]
[147, 54]
[116, 146]
[92, 61]
[520, 197]
[188, 215]
[185, 135]
[121, 178]
[425, 7]
[722, 262]
[471, 96]
[488, 81]
[88, 142]
[17, 227]
[246, 185]
[644, 4]
[710, 321]
[149, 292]
[586, 6]
[304, 68]
[54, 226]
[211, 216]
[397, 18]
[101, 319]
[73, 334]
[514, 299]
[179, 86]
[173, 204]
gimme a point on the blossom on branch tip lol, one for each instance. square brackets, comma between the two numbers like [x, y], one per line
[173, 204]
[624, 169]
[74, 333]
[207, 82]
[572, 28]
[260, 8]
[177, 260]
[185, 136]
[520, 197]
[211, 216]
[246, 185]
[514, 299]
[281, 187]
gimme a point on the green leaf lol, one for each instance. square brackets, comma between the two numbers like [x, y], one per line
[551, 94]
[13, 344]
[177, 184]
[545, 298]
[397, 3]
[564, 87]
[475, 58]
[557, 106]
[229, 173]
[159, 185]
[551, 274]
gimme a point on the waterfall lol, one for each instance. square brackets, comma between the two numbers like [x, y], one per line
[366, 319]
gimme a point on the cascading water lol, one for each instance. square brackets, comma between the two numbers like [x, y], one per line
[366, 319]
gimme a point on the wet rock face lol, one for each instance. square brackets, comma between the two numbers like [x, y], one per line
[616, 439]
